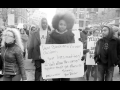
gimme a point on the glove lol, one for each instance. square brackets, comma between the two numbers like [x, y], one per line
[42, 60]
[83, 58]
[86, 51]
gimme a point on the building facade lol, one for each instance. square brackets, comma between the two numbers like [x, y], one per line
[107, 16]
[20, 15]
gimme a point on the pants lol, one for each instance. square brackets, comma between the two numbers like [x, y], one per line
[89, 69]
[119, 67]
[24, 53]
[38, 70]
[12, 78]
[105, 73]
[61, 79]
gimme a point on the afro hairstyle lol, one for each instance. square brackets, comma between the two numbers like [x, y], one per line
[68, 17]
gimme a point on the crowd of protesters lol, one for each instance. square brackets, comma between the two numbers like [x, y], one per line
[18, 40]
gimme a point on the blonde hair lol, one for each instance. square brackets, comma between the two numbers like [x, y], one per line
[17, 37]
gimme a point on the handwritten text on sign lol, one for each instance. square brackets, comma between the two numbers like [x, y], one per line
[91, 44]
[62, 61]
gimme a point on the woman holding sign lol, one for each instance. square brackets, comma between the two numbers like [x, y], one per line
[62, 23]
[107, 54]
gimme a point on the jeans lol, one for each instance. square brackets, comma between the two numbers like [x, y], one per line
[38, 70]
[105, 73]
[89, 69]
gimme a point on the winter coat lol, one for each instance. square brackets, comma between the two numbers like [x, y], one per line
[56, 38]
[13, 62]
[24, 40]
[111, 55]
[34, 46]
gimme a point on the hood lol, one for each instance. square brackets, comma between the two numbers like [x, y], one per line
[40, 26]
[110, 35]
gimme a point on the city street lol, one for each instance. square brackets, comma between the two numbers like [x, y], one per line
[30, 73]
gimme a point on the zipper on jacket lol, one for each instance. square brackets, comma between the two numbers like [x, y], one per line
[4, 62]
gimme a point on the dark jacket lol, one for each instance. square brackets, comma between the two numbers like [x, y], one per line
[112, 53]
[34, 46]
[13, 62]
[56, 38]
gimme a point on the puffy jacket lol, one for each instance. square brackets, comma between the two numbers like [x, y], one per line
[13, 61]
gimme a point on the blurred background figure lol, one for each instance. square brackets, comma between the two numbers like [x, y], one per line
[24, 37]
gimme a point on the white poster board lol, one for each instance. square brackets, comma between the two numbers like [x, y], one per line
[62, 61]
[76, 32]
[11, 19]
[91, 43]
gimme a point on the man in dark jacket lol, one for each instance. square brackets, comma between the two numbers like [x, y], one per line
[37, 38]
[107, 54]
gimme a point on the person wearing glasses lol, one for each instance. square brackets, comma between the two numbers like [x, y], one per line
[12, 56]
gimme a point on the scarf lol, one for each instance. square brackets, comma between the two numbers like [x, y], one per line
[9, 44]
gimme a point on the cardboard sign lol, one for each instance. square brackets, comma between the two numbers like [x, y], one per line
[91, 44]
[62, 61]
[11, 19]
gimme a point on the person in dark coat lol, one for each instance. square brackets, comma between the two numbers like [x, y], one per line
[37, 38]
[12, 56]
[62, 23]
[107, 54]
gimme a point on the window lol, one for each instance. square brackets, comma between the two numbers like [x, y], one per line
[87, 23]
[87, 15]
[118, 14]
[81, 23]
[81, 15]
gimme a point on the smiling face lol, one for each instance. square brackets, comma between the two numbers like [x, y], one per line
[62, 26]
[9, 37]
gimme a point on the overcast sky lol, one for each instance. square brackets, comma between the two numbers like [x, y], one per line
[50, 13]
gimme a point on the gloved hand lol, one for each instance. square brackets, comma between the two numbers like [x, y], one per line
[42, 60]
[83, 58]
[86, 51]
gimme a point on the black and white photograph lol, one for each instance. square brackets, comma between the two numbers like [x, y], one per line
[59, 44]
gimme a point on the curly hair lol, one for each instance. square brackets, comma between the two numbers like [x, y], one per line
[67, 16]
[17, 37]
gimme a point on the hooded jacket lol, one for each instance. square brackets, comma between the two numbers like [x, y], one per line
[107, 50]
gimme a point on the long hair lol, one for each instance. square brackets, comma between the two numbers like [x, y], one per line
[17, 35]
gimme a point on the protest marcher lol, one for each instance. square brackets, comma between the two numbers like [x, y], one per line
[39, 37]
[25, 27]
[92, 68]
[31, 31]
[1, 62]
[107, 54]
[24, 37]
[116, 31]
[62, 23]
[12, 56]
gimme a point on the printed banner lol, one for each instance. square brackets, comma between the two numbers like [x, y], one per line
[62, 61]
[91, 43]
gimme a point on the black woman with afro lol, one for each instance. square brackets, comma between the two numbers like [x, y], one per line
[62, 33]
